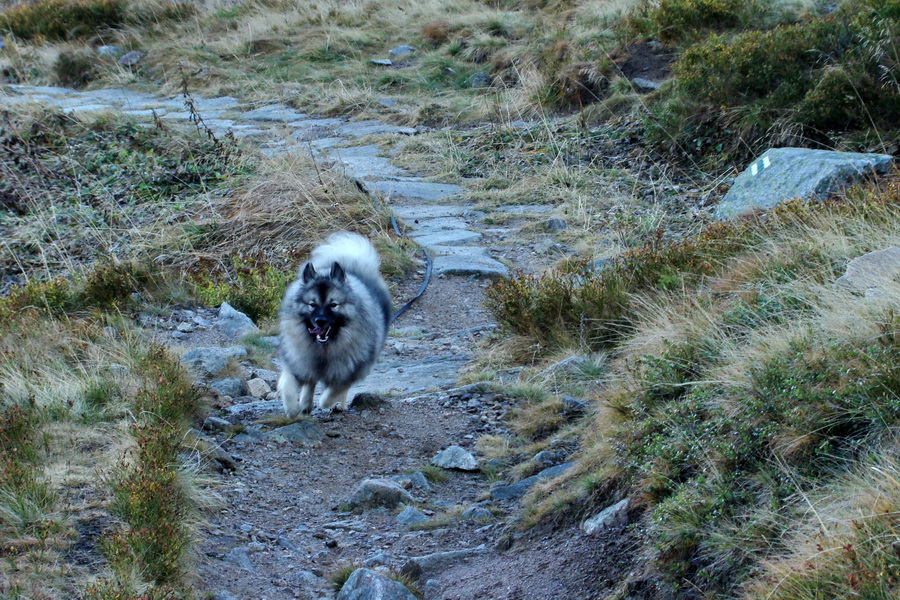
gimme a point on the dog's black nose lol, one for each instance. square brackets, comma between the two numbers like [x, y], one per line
[320, 321]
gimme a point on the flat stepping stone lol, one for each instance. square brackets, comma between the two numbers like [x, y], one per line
[42, 89]
[144, 113]
[522, 209]
[88, 108]
[420, 190]
[327, 143]
[422, 225]
[451, 237]
[466, 260]
[122, 98]
[361, 128]
[220, 103]
[784, 173]
[411, 377]
[317, 123]
[275, 112]
[170, 103]
[363, 162]
[520, 488]
[428, 211]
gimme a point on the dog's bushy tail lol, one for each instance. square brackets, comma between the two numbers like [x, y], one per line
[354, 253]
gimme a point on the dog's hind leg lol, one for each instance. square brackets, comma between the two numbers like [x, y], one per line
[294, 398]
[334, 396]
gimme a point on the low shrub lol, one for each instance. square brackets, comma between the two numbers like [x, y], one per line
[76, 68]
[814, 81]
[255, 290]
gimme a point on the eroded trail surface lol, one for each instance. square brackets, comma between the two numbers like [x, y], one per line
[288, 519]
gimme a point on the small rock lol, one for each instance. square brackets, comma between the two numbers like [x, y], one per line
[573, 407]
[388, 102]
[871, 271]
[416, 566]
[413, 480]
[307, 579]
[365, 584]
[568, 365]
[239, 557]
[213, 423]
[283, 542]
[229, 386]
[382, 62]
[110, 51]
[518, 489]
[366, 400]
[401, 51]
[185, 328]
[233, 322]
[210, 361]
[477, 513]
[455, 457]
[129, 59]
[223, 596]
[301, 433]
[270, 377]
[644, 85]
[481, 79]
[379, 492]
[546, 458]
[258, 388]
[377, 559]
[555, 224]
[609, 516]
[411, 516]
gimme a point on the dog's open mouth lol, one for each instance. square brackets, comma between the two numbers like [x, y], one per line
[322, 333]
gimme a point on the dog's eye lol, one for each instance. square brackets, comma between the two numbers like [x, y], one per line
[333, 305]
[312, 304]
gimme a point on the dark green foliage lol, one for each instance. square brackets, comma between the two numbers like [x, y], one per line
[817, 81]
[593, 307]
[75, 68]
[252, 288]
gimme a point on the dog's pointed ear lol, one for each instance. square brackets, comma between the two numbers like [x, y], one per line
[337, 273]
[309, 273]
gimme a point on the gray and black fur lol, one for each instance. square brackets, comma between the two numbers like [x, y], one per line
[334, 321]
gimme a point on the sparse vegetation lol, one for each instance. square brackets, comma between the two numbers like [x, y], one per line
[738, 394]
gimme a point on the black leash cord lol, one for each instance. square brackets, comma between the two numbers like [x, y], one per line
[428, 261]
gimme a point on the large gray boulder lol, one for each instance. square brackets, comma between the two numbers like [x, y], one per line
[366, 584]
[785, 173]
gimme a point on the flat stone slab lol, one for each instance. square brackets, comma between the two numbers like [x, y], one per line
[88, 108]
[361, 128]
[40, 89]
[523, 209]
[450, 237]
[301, 433]
[364, 162]
[466, 261]
[428, 211]
[424, 226]
[784, 173]
[410, 377]
[121, 98]
[274, 112]
[421, 190]
[210, 361]
[248, 409]
[220, 103]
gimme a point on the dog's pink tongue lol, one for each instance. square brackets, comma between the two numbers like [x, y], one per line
[316, 330]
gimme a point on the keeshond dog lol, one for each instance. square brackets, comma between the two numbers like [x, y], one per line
[334, 320]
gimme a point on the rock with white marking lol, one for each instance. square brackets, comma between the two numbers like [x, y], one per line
[455, 457]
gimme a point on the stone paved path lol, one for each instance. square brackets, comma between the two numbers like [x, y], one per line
[434, 214]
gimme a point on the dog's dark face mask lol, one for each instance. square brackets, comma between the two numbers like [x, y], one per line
[322, 301]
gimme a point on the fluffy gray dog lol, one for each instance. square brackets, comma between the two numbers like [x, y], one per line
[334, 320]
